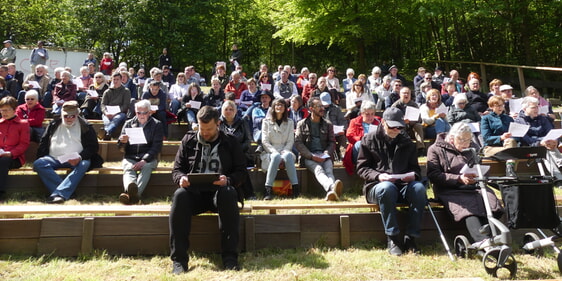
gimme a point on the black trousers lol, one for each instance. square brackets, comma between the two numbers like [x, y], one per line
[6, 163]
[187, 203]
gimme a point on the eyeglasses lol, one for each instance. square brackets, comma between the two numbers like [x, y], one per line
[331, 70]
[396, 128]
[142, 112]
[69, 116]
[464, 140]
[427, 78]
[29, 99]
[99, 77]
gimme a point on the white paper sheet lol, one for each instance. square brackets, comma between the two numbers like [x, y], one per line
[518, 130]
[553, 134]
[34, 83]
[304, 82]
[338, 129]
[136, 135]
[543, 109]
[515, 105]
[266, 87]
[153, 107]
[474, 127]
[92, 93]
[441, 109]
[467, 170]
[412, 113]
[401, 176]
[195, 104]
[372, 128]
[112, 109]
[323, 155]
[69, 156]
[78, 83]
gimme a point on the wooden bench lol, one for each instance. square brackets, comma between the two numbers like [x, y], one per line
[19, 211]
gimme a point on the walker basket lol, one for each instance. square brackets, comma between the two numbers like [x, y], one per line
[530, 204]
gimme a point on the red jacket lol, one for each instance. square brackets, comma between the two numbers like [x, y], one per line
[34, 117]
[107, 65]
[307, 91]
[354, 134]
[14, 137]
[230, 88]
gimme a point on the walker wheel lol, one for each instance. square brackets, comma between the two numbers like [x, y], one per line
[532, 237]
[493, 267]
[461, 246]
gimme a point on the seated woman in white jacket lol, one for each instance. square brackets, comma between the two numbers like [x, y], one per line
[277, 140]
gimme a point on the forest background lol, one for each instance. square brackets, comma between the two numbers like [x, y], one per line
[343, 33]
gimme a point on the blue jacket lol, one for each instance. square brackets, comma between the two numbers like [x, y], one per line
[492, 126]
[540, 126]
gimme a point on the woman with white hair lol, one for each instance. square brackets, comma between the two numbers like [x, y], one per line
[349, 80]
[106, 64]
[540, 125]
[459, 112]
[458, 191]
[34, 113]
[375, 79]
[64, 91]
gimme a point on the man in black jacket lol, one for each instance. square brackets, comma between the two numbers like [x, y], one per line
[207, 151]
[69, 142]
[388, 163]
[141, 158]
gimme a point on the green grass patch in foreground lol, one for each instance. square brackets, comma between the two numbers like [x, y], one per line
[366, 261]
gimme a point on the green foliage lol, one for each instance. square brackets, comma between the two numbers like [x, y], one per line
[344, 33]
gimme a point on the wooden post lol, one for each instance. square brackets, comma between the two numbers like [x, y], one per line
[345, 239]
[484, 85]
[521, 79]
[250, 233]
[87, 245]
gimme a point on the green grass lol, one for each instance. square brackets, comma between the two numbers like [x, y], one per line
[366, 261]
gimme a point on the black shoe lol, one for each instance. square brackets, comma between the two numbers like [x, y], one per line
[55, 200]
[231, 264]
[133, 191]
[393, 245]
[268, 193]
[410, 244]
[296, 190]
[179, 268]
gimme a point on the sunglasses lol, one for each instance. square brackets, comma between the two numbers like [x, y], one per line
[69, 116]
[396, 128]
[142, 112]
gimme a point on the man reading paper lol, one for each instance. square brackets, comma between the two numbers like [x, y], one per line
[141, 151]
[383, 154]
[73, 140]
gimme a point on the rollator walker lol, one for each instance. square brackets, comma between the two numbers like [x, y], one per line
[529, 203]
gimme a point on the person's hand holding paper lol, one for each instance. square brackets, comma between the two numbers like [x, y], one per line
[135, 135]
[518, 130]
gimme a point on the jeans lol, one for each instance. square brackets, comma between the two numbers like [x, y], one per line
[45, 167]
[141, 177]
[175, 106]
[441, 125]
[386, 194]
[322, 171]
[355, 152]
[274, 160]
[186, 204]
[117, 120]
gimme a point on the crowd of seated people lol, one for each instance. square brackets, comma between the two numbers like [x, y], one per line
[110, 95]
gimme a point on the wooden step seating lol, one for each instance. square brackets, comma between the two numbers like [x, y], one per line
[108, 180]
